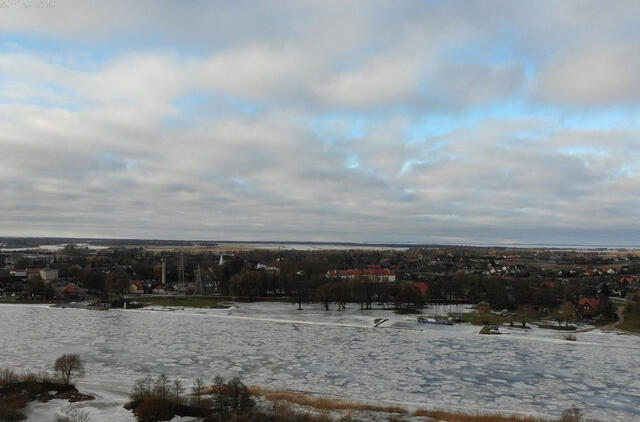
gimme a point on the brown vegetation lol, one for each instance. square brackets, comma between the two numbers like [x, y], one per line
[17, 389]
[443, 415]
[569, 415]
[321, 403]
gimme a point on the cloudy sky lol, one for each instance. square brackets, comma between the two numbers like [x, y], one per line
[396, 121]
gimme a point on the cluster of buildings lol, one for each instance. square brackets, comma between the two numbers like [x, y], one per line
[373, 273]
[13, 282]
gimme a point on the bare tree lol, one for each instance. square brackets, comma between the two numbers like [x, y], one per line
[161, 387]
[566, 313]
[197, 390]
[69, 366]
[572, 415]
[178, 389]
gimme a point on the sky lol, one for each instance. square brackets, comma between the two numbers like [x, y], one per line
[460, 122]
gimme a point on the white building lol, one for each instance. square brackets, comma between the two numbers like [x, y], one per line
[48, 274]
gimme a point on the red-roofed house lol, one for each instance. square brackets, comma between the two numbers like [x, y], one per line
[18, 272]
[422, 286]
[483, 308]
[70, 290]
[33, 273]
[588, 306]
[160, 289]
[136, 287]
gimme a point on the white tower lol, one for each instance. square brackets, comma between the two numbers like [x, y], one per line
[164, 271]
[181, 271]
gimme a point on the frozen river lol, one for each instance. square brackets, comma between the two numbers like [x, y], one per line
[273, 345]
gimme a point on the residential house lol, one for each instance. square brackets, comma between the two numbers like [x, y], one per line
[588, 306]
[422, 286]
[18, 272]
[33, 273]
[135, 287]
[160, 289]
[70, 291]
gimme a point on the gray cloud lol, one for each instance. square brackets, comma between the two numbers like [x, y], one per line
[109, 146]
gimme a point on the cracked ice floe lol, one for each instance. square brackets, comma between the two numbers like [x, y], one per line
[339, 353]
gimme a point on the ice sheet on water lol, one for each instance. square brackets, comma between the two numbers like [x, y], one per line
[274, 345]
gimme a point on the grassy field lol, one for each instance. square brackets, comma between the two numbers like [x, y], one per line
[184, 301]
[15, 299]
[8, 299]
[631, 318]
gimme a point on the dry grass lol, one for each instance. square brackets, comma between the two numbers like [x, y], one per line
[8, 377]
[282, 412]
[442, 415]
[321, 403]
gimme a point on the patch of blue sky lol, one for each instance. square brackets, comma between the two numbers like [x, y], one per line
[110, 161]
[439, 124]
[240, 183]
[409, 165]
[45, 95]
[434, 125]
[45, 103]
[90, 54]
[582, 150]
[611, 119]
[85, 54]
[496, 52]
[629, 170]
[247, 108]
[335, 128]
[353, 161]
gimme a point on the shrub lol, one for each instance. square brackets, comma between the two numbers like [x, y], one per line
[231, 395]
[571, 415]
[153, 410]
[12, 408]
[142, 389]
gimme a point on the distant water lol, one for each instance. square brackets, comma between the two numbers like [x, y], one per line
[53, 248]
[320, 246]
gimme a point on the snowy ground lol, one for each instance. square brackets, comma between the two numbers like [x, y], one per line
[339, 353]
